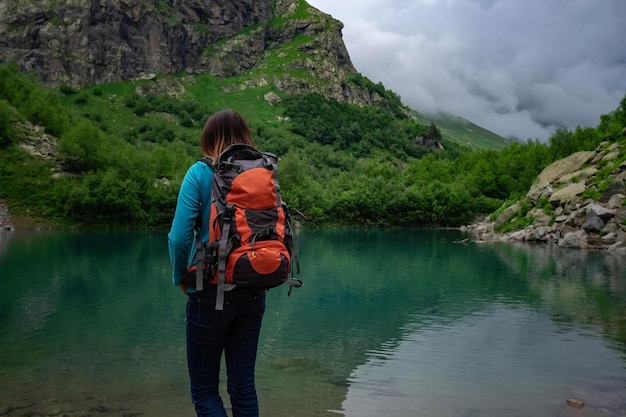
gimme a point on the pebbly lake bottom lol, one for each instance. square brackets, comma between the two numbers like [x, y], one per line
[388, 323]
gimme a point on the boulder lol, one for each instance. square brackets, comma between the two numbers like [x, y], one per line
[568, 195]
[581, 175]
[600, 211]
[507, 215]
[577, 239]
[616, 201]
[620, 215]
[593, 224]
[564, 166]
[615, 188]
[272, 98]
[539, 191]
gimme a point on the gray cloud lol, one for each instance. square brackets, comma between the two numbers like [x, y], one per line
[518, 68]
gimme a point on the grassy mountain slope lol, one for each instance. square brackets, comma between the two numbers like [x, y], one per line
[464, 133]
[208, 93]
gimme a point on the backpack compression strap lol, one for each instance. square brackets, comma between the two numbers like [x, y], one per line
[221, 263]
[274, 168]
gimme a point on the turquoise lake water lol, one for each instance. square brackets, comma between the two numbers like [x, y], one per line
[388, 323]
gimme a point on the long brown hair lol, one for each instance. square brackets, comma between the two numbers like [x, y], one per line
[224, 128]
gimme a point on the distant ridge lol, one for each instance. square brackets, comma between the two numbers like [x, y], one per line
[463, 132]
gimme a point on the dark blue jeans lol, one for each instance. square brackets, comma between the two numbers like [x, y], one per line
[234, 331]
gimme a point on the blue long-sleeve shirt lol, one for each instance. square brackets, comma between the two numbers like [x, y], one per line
[194, 199]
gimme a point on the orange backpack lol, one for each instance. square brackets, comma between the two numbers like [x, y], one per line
[250, 236]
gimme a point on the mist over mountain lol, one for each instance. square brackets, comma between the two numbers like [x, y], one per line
[518, 68]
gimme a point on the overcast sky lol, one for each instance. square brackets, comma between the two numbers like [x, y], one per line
[520, 68]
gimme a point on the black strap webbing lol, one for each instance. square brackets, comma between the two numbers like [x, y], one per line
[199, 262]
[221, 263]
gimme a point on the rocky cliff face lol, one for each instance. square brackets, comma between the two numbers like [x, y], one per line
[80, 42]
[576, 202]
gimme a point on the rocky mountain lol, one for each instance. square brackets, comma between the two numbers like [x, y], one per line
[576, 202]
[81, 42]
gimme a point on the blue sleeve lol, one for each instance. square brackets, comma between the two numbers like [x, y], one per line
[194, 199]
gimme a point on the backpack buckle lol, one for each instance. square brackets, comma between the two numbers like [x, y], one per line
[228, 213]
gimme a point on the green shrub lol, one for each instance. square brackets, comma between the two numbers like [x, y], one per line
[81, 99]
[545, 205]
[131, 102]
[7, 118]
[67, 89]
[82, 148]
[519, 220]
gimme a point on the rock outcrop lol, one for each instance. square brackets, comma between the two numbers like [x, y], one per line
[5, 219]
[576, 202]
[88, 42]
[80, 42]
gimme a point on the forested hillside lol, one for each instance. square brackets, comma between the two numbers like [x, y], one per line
[114, 155]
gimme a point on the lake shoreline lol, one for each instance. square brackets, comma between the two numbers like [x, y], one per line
[481, 231]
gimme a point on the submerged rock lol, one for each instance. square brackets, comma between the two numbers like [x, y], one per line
[575, 403]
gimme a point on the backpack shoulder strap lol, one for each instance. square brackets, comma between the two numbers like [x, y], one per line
[239, 148]
[269, 161]
[210, 162]
[199, 246]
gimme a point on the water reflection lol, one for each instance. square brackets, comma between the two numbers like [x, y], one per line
[512, 350]
[581, 288]
[473, 367]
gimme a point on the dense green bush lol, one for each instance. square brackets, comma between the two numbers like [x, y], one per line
[348, 127]
[37, 104]
[7, 118]
[82, 148]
